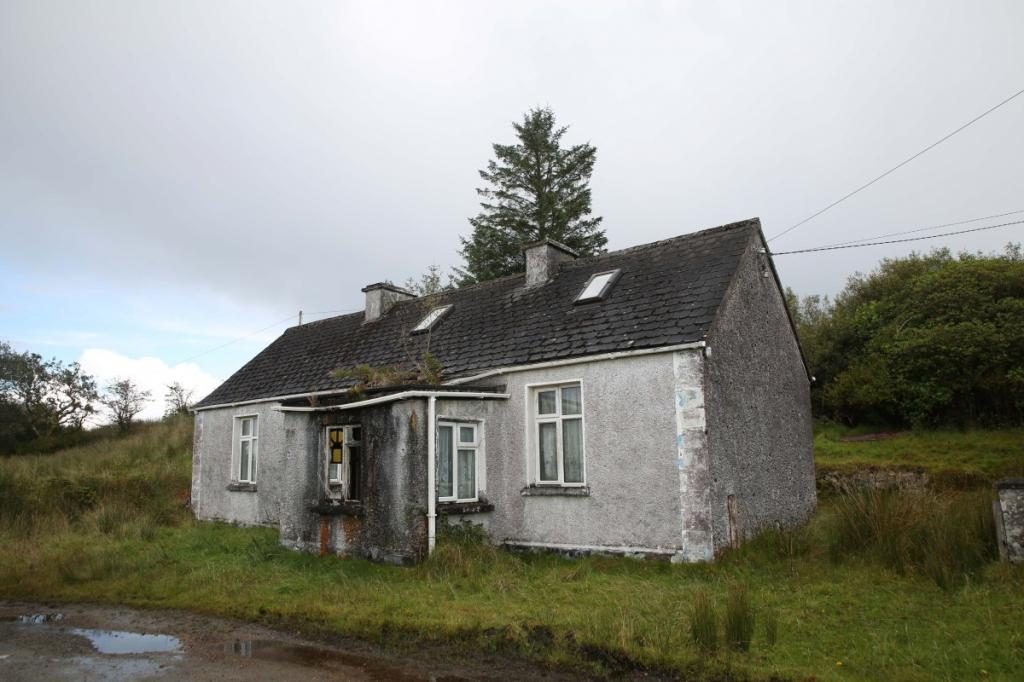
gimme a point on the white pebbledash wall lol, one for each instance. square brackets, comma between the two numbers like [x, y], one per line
[633, 501]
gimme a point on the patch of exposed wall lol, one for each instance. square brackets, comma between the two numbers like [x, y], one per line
[1011, 523]
[758, 403]
[692, 458]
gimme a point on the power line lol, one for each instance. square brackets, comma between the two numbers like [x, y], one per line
[925, 229]
[898, 166]
[251, 334]
[236, 340]
[896, 241]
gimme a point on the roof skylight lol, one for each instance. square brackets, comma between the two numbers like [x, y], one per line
[598, 286]
[431, 319]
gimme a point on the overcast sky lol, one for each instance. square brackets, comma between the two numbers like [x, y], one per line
[174, 175]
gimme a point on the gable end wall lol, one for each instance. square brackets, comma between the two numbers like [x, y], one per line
[757, 397]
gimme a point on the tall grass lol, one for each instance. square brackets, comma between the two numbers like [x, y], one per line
[704, 623]
[739, 618]
[121, 486]
[947, 536]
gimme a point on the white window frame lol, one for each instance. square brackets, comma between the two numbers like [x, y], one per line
[613, 277]
[431, 319]
[253, 440]
[476, 446]
[344, 483]
[535, 419]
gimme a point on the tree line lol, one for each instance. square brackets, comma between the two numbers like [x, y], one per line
[46, 404]
[927, 340]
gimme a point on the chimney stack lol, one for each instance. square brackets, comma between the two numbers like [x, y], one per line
[380, 297]
[543, 258]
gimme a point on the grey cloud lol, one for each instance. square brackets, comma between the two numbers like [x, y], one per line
[290, 153]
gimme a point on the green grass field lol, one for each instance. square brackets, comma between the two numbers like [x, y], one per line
[845, 605]
[986, 454]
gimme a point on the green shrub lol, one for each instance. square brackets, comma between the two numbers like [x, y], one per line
[739, 618]
[704, 623]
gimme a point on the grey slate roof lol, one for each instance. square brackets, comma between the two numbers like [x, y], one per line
[668, 293]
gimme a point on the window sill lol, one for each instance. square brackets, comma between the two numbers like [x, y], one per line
[555, 491]
[242, 487]
[455, 508]
[339, 508]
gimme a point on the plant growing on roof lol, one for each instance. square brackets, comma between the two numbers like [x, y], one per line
[421, 366]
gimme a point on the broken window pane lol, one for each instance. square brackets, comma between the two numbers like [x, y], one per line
[355, 473]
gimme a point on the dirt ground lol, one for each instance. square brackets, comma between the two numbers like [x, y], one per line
[67, 642]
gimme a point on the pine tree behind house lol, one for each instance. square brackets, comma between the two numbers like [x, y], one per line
[537, 190]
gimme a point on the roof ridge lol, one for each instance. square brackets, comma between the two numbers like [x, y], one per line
[749, 222]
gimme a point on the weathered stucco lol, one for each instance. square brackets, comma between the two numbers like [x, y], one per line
[692, 457]
[1009, 509]
[211, 471]
[757, 396]
[389, 522]
[633, 500]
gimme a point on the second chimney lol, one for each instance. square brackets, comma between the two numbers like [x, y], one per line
[380, 297]
[543, 259]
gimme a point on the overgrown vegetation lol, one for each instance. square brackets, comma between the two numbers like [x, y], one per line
[948, 537]
[426, 370]
[926, 340]
[955, 459]
[106, 522]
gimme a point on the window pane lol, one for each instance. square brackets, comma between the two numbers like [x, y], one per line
[247, 427]
[571, 400]
[357, 433]
[466, 434]
[467, 474]
[243, 462]
[333, 472]
[596, 286]
[355, 473]
[548, 452]
[444, 461]
[572, 450]
[546, 402]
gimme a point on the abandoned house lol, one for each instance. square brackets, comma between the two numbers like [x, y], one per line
[651, 401]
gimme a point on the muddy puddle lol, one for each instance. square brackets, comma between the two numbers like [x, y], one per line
[320, 657]
[76, 642]
[119, 642]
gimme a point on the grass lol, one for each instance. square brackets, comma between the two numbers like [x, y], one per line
[105, 523]
[983, 455]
